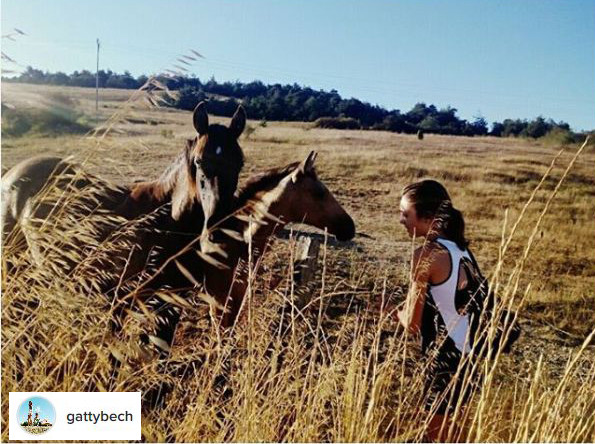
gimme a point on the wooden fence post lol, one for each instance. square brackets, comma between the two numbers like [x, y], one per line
[304, 265]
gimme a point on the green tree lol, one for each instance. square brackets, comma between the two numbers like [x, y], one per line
[537, 128]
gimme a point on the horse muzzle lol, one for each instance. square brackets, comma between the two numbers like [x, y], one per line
[345, 229]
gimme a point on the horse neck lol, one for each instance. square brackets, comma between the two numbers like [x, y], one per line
[257, 230]
[255, 224]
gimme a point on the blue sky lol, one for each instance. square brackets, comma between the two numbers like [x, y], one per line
[497, 59]
[41, 406]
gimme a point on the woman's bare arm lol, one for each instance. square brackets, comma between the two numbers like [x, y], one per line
[410, 315]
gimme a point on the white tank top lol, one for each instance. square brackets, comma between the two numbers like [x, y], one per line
[443, 294]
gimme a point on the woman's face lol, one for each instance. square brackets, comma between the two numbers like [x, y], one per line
[418, 226]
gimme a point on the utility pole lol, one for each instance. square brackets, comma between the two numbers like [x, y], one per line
[97, 86]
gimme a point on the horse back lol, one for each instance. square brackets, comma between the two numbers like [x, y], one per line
[22, 183]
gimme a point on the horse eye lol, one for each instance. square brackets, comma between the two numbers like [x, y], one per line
[218, 150]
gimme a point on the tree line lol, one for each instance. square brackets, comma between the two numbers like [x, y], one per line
[301, 103]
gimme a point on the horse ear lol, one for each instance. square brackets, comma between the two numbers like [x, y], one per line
[305, 166]
[309, 163]
[200, 118]
[238, 122]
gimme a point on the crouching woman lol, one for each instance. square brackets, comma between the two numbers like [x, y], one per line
[444, 279]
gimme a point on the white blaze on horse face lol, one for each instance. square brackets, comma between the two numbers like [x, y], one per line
[208, 190]
[218, 151]
[209, 195]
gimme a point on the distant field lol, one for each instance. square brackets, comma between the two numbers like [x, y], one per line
[489, 179]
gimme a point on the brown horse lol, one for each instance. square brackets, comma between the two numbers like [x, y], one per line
[265, 205]
[196, 188]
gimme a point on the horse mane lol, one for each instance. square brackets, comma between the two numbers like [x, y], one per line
[165, 183]
[167, 180]
[265, 181]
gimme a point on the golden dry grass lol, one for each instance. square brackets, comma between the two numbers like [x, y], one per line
[336, 370]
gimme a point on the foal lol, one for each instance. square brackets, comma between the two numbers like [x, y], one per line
[266, 204]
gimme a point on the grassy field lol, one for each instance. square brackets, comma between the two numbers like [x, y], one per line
[342, 372]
